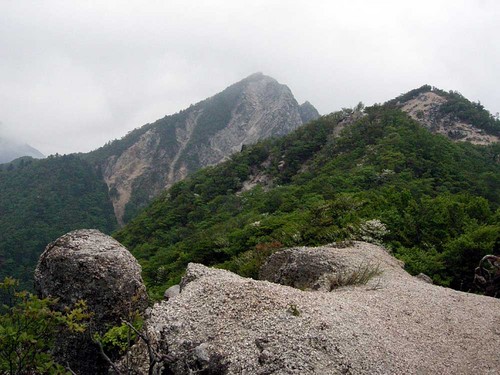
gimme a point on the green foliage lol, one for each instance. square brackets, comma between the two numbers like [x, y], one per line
[473, 113]
[384, 177]
[293, 309]
[412, 94]
[41, 200]
[464, 253]
[248, 263]
[119, 339]
[28, 328]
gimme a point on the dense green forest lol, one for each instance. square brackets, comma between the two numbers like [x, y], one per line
[41, 200]
[433, 203]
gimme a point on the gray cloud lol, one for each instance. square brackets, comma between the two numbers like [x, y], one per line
[75, 75]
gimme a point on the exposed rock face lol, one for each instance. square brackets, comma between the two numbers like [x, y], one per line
[301, 268]
[172, 292]
[425, 109]
[264, 108]
[88, 265]
[308, 112]
[207, 133]
[396, 324]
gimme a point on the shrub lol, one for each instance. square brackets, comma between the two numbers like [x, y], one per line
[118, 339]
[28, 328]
[372, 231]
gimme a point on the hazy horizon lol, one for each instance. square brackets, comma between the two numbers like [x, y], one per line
[76, 75]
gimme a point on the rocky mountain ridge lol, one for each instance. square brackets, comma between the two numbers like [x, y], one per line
[205, 134]
[141, 164]
[42, 199]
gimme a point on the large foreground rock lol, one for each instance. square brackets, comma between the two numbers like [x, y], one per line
[396, 324]
[88, 265]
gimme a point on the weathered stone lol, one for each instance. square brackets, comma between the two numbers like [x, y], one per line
[394, 325]
[309, 268]
[88, 265]
[425, 109]
[302, 268]
[308, 112]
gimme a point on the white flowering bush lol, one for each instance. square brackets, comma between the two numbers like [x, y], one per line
[372, 231]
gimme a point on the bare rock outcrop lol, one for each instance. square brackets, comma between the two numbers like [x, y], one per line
[425, 109]
[88, 265]
[154, 157]
[395, 324]
[315, 268]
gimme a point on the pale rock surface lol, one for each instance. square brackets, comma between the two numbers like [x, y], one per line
[91, 266]
[425, 109]
[312, 268]
[424, 278]
[396, 324]
[171, 292]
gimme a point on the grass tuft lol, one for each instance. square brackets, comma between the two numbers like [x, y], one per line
[360, 276]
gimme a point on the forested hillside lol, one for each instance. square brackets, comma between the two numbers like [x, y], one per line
[41, 200]
[434, 203]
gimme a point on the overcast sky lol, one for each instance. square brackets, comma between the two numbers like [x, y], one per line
[74, 75]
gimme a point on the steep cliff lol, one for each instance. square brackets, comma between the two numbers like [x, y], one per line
[152, 158]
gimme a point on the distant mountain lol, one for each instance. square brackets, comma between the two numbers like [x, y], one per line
[450, 114]
[150, 159]
[42, 199]
[10, 150]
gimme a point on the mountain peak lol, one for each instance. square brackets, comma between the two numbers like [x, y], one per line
[157, 155]
[255, 76]
[258, 76]
[449, 114]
